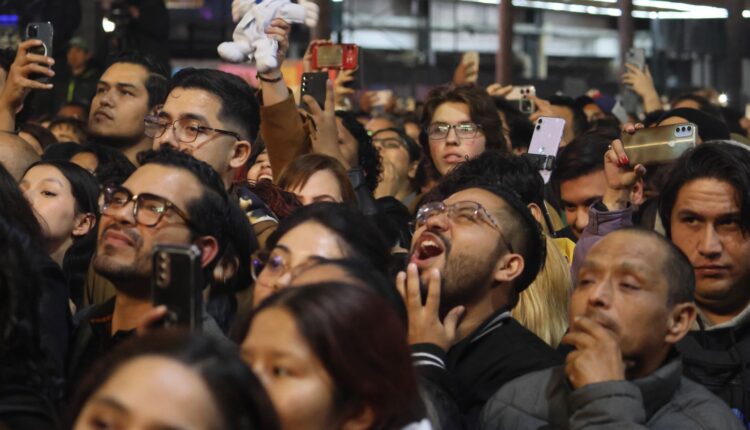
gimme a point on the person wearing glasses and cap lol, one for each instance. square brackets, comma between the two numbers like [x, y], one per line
[472, 255]
[172, 198]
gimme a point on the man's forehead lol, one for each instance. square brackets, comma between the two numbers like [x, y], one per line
[627, 250]
[127, 73]
[708, 196]
[489, 200]
[173, 183]
[192, 102]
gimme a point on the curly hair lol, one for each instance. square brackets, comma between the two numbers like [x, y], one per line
[368, 156]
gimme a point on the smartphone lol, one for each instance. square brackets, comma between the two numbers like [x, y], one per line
[659, 144]
[327, 55]
[545, 142]
[314, 84]
[382, 97]
[471, 57]
[636, 57]
[44, 32]
[519, 96]
[177, 282]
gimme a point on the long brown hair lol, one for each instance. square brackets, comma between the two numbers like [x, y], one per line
[298, 172]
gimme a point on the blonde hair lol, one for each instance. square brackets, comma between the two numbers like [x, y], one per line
[543, 307]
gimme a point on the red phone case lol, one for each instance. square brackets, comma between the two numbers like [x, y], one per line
[348, 61]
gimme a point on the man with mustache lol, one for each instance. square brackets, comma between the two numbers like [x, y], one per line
[633, 302]
[474, 252]
[133, 86]
[172, 198]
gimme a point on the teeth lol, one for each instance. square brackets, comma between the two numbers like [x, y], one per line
[428, 243]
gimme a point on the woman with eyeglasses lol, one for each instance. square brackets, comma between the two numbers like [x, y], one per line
[323, 230]
[334, 356]
[458, 124]
[64, 199]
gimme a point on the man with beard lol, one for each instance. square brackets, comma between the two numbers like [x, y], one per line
[633, 302]
[172, 198]
[132, 87]
[473, 252]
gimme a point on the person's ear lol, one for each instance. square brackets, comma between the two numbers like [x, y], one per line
[637, 193]
[413, 167]
[240, 154]
[680, 321]
[363, 421]
[537, 213]
[508, 268]
[209, 247]
[83, 224]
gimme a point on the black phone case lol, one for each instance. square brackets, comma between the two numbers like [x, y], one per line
[314, 85]
[177, 283]
[44, 32]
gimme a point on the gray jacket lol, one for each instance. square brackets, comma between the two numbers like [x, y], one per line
[663, 400]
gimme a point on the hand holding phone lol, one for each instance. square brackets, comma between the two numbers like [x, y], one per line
[314, 85]
[334, 56]
[40, 31]
[545, 141]
[657, 145]
[523, 98]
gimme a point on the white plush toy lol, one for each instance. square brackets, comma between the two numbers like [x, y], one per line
[250, 41]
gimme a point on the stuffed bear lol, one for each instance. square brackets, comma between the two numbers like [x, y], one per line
[250, 41]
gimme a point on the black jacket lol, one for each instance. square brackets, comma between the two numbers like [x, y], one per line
[474, 369]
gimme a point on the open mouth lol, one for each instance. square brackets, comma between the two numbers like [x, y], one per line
[427, 247]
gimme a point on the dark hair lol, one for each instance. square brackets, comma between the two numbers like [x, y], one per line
[583, 156]
[368, 157]
[281, 203]
[392, 218]
[238, 103]
[583, 101]
[208, 213]
[237, 392]
[520, 129]
[298, 172]
[362, 344]
[704, 104]
[676, 267]
[78, 126]
[580, 123]
[358, 236]
[156, 83]
[482, 111]
[362, 273]
[720, 160]
[61, 151]
[85, 190]
[16, 209]
[112, 165]
[41, 134]
[22, 360]
[412, 147]
[519, 226]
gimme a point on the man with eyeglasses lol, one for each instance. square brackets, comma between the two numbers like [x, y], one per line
[210, 114]
[471, 256]
[400, 157]
[172, 198]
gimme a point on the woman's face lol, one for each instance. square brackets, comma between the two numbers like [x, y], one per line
[51, 197]
[299, 386]
[261, 169]
[321, 187]
[452, 150]
[300, 247]
[151, 392]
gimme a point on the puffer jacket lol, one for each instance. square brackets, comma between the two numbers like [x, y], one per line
[663, 400]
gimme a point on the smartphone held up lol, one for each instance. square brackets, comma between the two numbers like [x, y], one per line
[177, 283]
[41, 31]
[659, 144]
[335, 56]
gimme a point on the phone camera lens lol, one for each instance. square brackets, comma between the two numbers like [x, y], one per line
[33, 31]
[689, 128]
[538, 127]
[540, 121]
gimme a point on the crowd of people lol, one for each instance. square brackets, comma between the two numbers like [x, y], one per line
[364, 268]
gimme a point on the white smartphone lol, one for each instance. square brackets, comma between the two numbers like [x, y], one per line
[521, 92]
[545, 141]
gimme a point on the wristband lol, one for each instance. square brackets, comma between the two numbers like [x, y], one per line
[269, 80]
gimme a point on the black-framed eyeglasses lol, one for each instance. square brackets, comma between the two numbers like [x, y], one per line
[464, 130]
[388, 143]
[460, 212]
[148, 209]
[186, 130]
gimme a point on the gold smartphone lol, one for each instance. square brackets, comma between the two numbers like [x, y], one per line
[659, 144]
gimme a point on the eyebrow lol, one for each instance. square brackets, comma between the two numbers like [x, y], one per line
[283, 248]
[194, 116]
[324, 196]
[111, 402]
[118, 84]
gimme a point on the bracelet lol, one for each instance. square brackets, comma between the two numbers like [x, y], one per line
[269, 80]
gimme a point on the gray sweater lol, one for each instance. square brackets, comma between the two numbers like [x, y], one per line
[663, 400]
